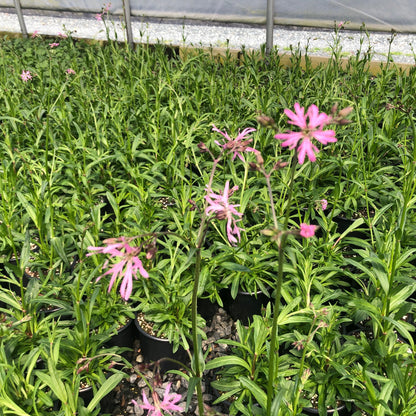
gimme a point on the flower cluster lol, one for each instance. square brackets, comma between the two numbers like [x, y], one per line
[223, 210]
[237, 145]
[26, 76]
[127, 266]
[168, 404]
[106, 9]
[312, 126]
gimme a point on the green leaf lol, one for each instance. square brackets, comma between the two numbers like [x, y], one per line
[193, 382]
[28, 207]
[54, 382]
[255, 390]
[235, 267]
[106, 387]
[8, 403]
[227, 360]
[58, 245]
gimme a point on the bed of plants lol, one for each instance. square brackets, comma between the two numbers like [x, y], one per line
[142, 181]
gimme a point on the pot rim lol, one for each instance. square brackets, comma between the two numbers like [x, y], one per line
[143, 332]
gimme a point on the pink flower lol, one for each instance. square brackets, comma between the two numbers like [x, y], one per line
[218, 204]
[307, 231]
[236, 145]
[62, 35]
[99, 17]
[127, 266]
[167, 405]
[26, 76]
[106, 7]
[311, 125]
[35, 34]
[70, 71]
[53, 45]
[324, 204]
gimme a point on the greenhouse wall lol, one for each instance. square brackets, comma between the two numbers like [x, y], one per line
[375, 14]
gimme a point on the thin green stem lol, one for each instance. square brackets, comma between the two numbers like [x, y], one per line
[195, 333]
[274, 350]
[302, 364]
[199, 241]
[407, 194]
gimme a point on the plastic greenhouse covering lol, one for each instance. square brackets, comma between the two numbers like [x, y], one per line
[399, 15]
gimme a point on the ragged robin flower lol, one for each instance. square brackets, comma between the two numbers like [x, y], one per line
[223, 210]
[168, 404]
[127, 266]
[311, 127]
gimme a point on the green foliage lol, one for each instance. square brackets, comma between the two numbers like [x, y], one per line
[112, 150]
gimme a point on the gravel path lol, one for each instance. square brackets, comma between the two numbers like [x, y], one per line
[319, 42]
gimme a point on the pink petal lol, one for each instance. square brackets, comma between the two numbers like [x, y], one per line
[225, 134]
[307, 148]
[298, 118]
[324, 136]
[291, 139]
[307, 231]
[244, 133]
[142, 270]
[115, 270]
[126, 286]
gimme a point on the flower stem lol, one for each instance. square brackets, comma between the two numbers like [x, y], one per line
[199, 242]
[195, 333]
[274, 350]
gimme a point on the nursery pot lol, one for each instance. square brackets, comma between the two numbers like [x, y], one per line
[125, 336]
[245, 305]
[154, 348]
[341, 409]
[207, 309]
[344, 223]
[86, 393]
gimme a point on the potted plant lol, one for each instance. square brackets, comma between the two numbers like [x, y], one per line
[245, 274]
[163, 295]
[79, 371]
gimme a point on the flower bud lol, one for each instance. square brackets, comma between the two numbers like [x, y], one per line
[279, 165]
[202, 147]
[345, 111]
[259, 158]
[151, 253]
[192, 204]
[344, 121]
[253, 166]
[266, 121]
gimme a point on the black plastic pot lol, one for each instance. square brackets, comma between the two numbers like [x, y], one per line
[125, 336]
[155, 348]
[86, 394]
[344, 223]
[245, 305]
[342, 411]
[207, 309]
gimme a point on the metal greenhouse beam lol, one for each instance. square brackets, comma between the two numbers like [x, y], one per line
[127, 20]
[20, 17]
[269, 26]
